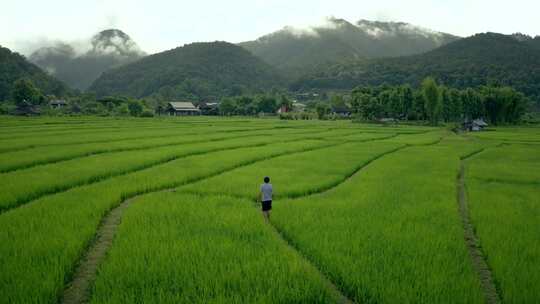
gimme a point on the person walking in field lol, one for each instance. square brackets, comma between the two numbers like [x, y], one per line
[266, 198]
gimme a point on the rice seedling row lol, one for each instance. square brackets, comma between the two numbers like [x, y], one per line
[381, 238]
[24, 186]
[11, 161]
[504, 203]
[63, 224]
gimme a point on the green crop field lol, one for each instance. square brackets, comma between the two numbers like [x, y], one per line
[102, 210]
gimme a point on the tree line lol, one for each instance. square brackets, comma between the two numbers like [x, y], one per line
[430, 102]
[435, 103]
[253, 105]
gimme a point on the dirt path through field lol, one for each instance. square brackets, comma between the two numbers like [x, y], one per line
[78, 291]
[473, 246]
[342, 298]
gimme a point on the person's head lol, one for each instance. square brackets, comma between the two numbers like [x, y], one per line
[267, 179]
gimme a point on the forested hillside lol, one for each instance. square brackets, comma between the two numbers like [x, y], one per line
[14, 66]
[194, 71]
[295, 50]
[478, 60]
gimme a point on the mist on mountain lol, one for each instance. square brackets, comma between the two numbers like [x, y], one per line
[78, 64]
[338, 40]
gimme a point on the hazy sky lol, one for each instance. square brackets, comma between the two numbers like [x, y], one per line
[163, 24]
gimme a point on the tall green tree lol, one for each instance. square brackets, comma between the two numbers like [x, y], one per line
[408, 100]
[285, 101]
[473, 104]
[24, 92]
[456, 105]
[322, 109]
[227, 106]
[432, 98]
[267, 104]
[135, 107]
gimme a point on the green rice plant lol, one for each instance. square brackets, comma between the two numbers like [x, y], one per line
[504, 202]
[524, 135]
[37, 140]
[391, 232]
[506, 220]
[366, 136]
[11, 161]
[420, 139]
[295, 175]
[44, 240]
[509, 163]
[178, 248]
[20, 187]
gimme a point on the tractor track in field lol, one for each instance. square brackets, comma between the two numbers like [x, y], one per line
[478, 259]
[77, 290]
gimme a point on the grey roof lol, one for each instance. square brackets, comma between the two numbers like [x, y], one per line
[183, 106]
[58, 101]
[480, 122]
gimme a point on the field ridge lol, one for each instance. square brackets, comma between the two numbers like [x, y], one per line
[76, 290]
[125, 149]
[478, 259]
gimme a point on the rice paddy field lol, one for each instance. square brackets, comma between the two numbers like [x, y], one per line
[101, 210]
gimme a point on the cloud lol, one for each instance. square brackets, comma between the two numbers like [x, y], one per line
[312, 30]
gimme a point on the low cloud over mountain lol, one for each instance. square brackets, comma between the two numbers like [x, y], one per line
[78, 64]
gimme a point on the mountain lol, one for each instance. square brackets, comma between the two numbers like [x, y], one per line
[194, 71]
[338, 40]
[107, 49]
[14, 66]
[481, 59]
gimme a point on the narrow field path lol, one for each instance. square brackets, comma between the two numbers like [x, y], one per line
[478, 259]
[342, 298]
[78, 290]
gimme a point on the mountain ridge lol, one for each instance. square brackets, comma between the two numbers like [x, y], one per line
[481, 59]
[14, 66]
[338, 40]
[199, 70]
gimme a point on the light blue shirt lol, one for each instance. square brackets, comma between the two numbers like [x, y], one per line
[266, 190]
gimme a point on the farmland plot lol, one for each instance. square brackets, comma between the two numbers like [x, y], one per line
[504, 198]
[63, 224]
[381, 237]
[203, 249]
[363, 212]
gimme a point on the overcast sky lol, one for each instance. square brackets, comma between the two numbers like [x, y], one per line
[158, 25]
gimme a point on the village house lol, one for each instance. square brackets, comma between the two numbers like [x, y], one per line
[209, 108]
[182, 108]
[474, 125]
[58, 103]
[299, 107]
[342, 111]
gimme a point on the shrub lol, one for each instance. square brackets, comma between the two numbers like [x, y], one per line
[147, 113]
